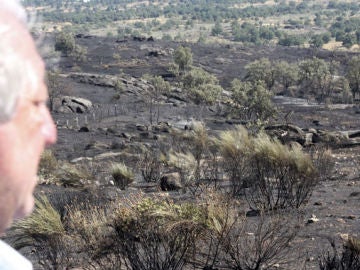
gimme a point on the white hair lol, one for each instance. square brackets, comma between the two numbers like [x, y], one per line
[14, 8]
[14, 70]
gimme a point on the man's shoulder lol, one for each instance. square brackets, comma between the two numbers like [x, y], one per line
[10, 259]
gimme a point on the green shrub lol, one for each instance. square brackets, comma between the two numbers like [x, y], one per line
[64, 42]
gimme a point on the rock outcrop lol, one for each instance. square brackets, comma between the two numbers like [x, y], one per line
[288, 133]
[71, 104]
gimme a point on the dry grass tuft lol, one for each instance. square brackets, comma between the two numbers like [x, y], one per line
[42, 224]
[121, 174]
[47, 167]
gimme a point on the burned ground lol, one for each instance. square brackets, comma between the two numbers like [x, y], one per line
[117, 128]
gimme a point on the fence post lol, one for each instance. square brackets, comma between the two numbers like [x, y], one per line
[77, 122]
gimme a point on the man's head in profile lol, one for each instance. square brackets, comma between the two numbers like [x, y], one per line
[26, 126]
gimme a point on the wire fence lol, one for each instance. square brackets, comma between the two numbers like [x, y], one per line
[98, 113]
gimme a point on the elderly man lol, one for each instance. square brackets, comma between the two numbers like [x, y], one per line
[26, 126]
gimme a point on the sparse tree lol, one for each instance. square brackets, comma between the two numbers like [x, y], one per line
[217, 29]
[158, 88]
[252, 100]
[316, 77]
[56, 88]
[201, 86]
[79, 53]
[286, 74]
[316, 41]
[64, 42]
[261, 70]
[183, 58]
[353, 75]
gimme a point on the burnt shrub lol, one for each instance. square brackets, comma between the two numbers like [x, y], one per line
[150, 166]
[155, 234]
[347, 259]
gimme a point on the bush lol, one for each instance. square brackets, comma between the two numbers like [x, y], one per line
[252, 101]
[44, 222]
[47, 166]
[201, 86]
[196, 157]
[260, 244]
[349, 259]
[156, 235]
[79, 53]
[44, 231]
[122, 175]
[234, 148]
[281, 176]
[73, 175]
[88, 226]
[271, 174]
[183, 58]
[232, 241]
[185, 163]
[65, 43]
[323, 161]
[150, 166]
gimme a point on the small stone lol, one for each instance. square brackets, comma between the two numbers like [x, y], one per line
[141, 127]
[354, 194]
[318, 203]
[312, 219]
[340, 220]
[344, 236]
[125, 135]
[84, 129]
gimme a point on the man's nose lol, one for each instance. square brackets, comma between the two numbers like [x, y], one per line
[49, 129]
